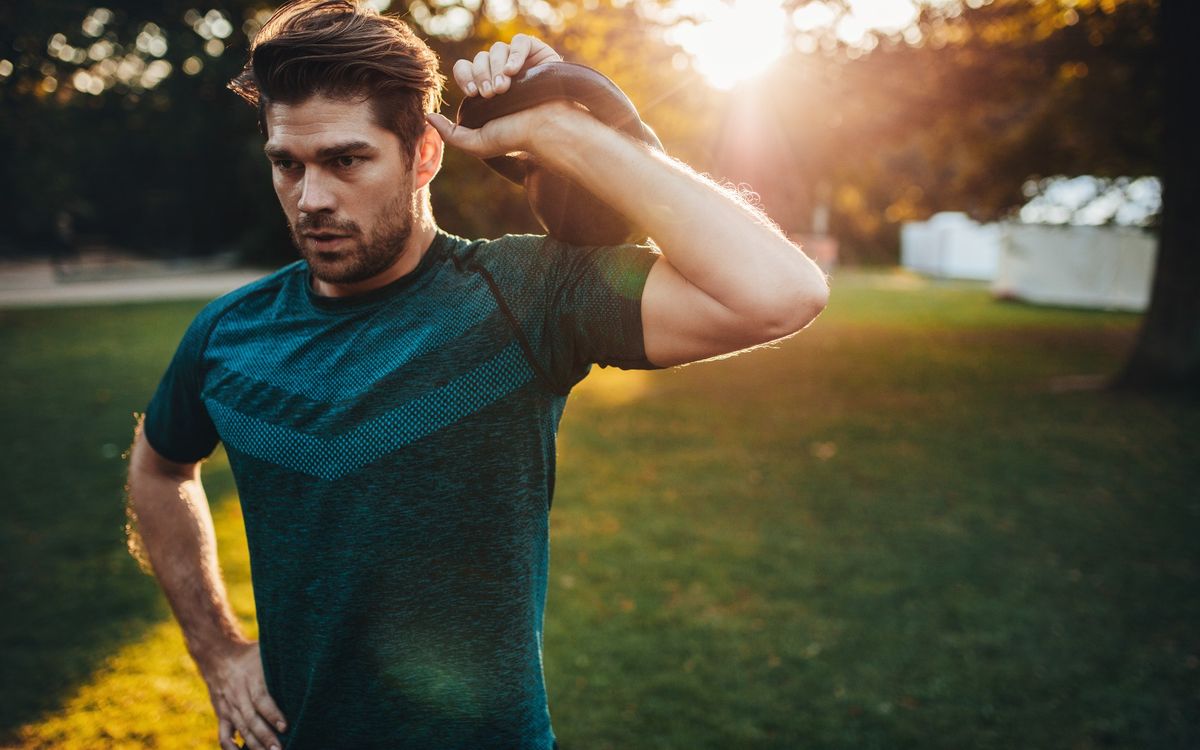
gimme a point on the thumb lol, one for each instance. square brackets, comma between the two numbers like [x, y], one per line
[452, 133]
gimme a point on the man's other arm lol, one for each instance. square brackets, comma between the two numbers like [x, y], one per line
[176, 528]
[728, 279]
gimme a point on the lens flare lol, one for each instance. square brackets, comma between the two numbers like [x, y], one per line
[735, 41]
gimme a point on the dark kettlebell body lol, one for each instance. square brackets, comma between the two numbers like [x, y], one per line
[567, 211]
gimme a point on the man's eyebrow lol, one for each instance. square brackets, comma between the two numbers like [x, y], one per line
[341, 149]
[328, 152]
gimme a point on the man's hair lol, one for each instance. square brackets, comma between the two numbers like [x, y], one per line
[343, 50]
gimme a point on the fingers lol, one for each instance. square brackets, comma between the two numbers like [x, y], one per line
[241, 702]
[463, 77]
[252, 712]
[225, 735]
[518, 52]
[540, 52]
[491, 71]
[267, 709]
[256, 733]
[481, 71]
[456, 135]
[496, 137]
[498, 59]
[517, 132]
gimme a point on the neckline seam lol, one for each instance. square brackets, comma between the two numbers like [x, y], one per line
[379, 297]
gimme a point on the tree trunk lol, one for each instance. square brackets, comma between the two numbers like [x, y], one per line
[1167, 352]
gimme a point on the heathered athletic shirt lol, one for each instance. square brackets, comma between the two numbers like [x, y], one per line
[394, 455]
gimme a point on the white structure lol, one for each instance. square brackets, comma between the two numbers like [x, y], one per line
[1077, 266]
[951, 245]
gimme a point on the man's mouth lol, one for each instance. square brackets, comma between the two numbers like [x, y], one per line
[323, 240]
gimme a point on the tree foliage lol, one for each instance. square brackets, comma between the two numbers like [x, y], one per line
[960, 112]
[172, 165]
[957, 112]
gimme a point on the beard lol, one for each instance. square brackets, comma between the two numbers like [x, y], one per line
[369, 256]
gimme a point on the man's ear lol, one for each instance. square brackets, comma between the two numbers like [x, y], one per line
[427, 159]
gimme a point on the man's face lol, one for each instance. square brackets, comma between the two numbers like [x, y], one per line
[344, 185]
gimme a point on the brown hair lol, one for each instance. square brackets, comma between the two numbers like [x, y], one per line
[340, 49]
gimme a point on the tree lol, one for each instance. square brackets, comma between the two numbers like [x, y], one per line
[993, 96]
[119, 114]
[1167, 352]
[967, 106]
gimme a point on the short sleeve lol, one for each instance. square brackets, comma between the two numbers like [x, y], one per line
[595, 308]
[177, 424]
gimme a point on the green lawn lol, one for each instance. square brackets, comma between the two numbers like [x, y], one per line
[908, 526]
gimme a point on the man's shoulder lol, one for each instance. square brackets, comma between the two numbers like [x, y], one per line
[518, 256]
[507, 262]
[507, 249]
[535, 261]
[265, 288]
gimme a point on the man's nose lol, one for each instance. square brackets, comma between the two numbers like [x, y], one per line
[315, 194]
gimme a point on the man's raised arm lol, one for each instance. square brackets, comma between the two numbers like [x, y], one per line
[728, 278]
[176, 529]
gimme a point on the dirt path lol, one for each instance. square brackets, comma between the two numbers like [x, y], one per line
[36, 285]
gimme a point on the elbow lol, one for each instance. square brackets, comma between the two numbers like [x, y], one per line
[798, 310]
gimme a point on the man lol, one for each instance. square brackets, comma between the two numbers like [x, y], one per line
[389, 403]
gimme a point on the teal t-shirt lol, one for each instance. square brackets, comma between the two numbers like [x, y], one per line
[394, 454]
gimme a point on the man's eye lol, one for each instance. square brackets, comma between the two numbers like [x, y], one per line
[347, 162]
[284, 165]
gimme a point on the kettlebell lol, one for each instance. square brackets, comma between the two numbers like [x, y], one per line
[564, 209]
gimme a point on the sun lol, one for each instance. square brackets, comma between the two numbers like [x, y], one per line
[735, 42]
[731, 41]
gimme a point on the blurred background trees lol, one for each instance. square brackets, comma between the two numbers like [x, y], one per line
[867, 113]
[119, 115]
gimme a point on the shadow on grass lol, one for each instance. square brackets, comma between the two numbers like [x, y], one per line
[71, 594]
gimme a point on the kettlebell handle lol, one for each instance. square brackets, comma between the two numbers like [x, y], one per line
[565, 210]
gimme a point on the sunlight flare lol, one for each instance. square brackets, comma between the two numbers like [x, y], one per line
[734, 41]
[731, 41]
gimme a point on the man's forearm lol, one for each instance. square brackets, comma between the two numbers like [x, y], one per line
[176, 528]
[717, 243]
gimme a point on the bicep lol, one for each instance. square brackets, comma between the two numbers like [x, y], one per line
[681, 323]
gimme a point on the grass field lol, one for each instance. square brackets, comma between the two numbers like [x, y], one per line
[911, 526]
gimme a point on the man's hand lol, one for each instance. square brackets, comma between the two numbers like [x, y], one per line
[238, 690]
[176, 529]
[491, 74]
[492, 70]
